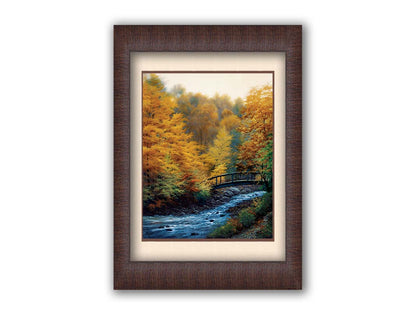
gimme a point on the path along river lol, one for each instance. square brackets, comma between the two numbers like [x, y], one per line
[197, 225]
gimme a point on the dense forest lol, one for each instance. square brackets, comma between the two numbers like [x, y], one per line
[190, 137]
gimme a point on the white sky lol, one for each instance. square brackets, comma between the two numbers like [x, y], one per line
[235, 85]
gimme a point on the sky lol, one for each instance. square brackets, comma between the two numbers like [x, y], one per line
[235, 85]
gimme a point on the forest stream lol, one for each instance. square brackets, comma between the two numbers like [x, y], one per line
[197, 225]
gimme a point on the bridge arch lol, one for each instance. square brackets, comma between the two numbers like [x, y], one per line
[236, 178]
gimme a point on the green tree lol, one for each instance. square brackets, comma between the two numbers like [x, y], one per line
[238, 105]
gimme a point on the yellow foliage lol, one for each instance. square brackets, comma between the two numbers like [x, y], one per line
[229, 121]
[220, 152]
[185, 142]
[219, 170]
[203, 122]
[256, 126]
[169, 154]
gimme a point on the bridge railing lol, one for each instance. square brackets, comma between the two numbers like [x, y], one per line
[235, 178]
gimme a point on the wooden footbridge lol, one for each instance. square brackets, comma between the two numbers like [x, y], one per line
[237, 178]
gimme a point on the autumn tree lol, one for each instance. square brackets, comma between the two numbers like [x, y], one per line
[189, 137]
[200, 115]
[197, 98]
[203, 123]
[167, 185]
[228, 120]
[172, 165]
[221, 102]
[256, 151]
[231, 122]
[157, 107]
[220, 152]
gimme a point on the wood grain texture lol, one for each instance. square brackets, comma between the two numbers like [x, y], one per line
[208, 275]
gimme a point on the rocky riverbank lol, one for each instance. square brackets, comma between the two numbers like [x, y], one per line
[218, 197]
[195, 225]
[256, 230]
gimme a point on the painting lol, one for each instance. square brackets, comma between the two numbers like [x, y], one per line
[207, 155]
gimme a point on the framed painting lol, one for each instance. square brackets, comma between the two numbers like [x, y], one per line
[207, 157]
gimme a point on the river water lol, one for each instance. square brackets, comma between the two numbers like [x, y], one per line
[197, 225]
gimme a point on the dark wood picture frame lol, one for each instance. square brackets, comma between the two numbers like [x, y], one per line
[211, 274]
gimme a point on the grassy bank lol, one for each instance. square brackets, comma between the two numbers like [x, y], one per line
[256, 220]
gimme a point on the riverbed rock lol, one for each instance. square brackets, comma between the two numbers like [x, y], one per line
[231, 191]
[228, 193]
[235, 190]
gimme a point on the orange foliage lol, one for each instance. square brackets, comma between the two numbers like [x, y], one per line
[171, 160]
[203, 122]
[185, 141]
[229, 121]
[256, 127]
[236, 224]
